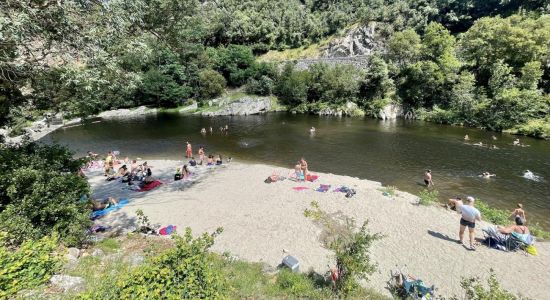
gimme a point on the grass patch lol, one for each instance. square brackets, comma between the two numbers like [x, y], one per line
[389, 190]
[427, 197]
[108, 245]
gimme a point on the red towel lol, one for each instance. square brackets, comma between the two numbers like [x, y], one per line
[150, 186]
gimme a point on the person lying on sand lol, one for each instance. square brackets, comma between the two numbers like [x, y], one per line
[519, 227]
[519, 213]
[103, 203]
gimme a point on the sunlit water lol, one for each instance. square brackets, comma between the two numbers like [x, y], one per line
[394, 153]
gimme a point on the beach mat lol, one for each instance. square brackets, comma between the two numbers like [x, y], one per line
[100, 213]
[150, 186]
[300, 188]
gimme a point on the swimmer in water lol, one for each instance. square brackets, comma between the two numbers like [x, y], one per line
[494, 138]
[480, 144]
[312, 130]
[203, 131]
[516, 142]
[487, 175]
[466, 138]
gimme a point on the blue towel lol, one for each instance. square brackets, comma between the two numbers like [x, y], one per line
[101, 213]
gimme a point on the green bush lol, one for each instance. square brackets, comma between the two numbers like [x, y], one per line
[476, 290]
[493, 215]
[295, 284]
[539, 128]
[211, 84]
[183, 272]
[262, 86]
[40, 192]
[31, 265]
[427, 197]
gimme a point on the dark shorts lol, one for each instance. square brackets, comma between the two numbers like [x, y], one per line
[467, 223]
[426, 182]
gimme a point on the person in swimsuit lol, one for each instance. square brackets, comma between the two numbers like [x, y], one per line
[303, 167]
[466, 138]
[487, 175]
[203, 131]
[516, 142]
[455, 204]
[201, 154]
[518, 228]
[103, 203]
[193, 162]
[470, 215]
[210, 160]
[188, 151]
[428, 178]
[519, 213]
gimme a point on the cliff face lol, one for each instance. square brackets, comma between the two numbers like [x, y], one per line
[353, 48]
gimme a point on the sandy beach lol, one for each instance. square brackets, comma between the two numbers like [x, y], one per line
[260, 220]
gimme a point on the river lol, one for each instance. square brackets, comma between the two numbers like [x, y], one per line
[394, 153]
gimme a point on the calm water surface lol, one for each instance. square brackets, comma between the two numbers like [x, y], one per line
[394, 153]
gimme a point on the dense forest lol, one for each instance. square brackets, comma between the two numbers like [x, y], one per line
[477, 63]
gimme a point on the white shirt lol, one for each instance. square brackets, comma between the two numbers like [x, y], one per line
[470, 213]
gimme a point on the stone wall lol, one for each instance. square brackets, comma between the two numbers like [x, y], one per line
[359, 61]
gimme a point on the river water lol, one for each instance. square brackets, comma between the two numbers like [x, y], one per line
[394, 153]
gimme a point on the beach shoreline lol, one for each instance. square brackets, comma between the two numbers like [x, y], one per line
[265, 222]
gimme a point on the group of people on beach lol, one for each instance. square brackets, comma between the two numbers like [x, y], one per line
[129, 172]
[470, 215]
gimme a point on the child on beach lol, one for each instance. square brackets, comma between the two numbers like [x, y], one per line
[188, 151]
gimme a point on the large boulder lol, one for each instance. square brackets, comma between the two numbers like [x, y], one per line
[68, 283]
[247, 105]
[127, 113]
[391, 111]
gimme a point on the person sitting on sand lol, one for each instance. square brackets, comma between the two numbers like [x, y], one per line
[519, 213]
[219, 160]
[519, 227]
[470, 215]
[134, 167]
[304, 167]
[455, 204]
[122, 171]
[298, 174]
[210, 160]
[487, 175]
[109, 169]
[103, 203]
[193, 162]
[466, 138]
[148, 176]
[428, 178]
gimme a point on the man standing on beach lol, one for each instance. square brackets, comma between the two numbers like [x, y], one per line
[470, 215]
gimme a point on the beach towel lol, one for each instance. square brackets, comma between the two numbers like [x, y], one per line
[167, 230]
[300, 188]
[100, 213]
[312, 178]
[323, 188]
[150, 186]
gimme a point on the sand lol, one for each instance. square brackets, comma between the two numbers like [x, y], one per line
[265, 222]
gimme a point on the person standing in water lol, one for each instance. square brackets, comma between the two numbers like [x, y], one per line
[466, 138]
[188, 151]
[428, 178]
[519, 213]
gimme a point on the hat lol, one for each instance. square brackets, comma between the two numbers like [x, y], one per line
[470, 199]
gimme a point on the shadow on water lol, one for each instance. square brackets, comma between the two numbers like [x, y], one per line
[395, 153]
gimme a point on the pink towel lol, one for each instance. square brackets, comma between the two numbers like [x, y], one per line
[300, 188]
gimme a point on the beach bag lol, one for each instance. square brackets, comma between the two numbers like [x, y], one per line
[531, 250]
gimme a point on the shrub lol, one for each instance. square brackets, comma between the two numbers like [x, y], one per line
[263, 86]
[30, 265]
[427, 197]
[295, 284]
[539, 128]
[183, 272]
[493, 215]
[40, 192]
[475, 290]
[212, 84]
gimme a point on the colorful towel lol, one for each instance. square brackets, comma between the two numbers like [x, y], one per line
[150, 186]
[167, 230]
[100, 213]
[300, 188]
[312, 178]
[323, 188]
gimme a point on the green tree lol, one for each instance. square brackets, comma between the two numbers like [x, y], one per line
[404, 47]
[531, 74]
[292, 86]
[463, 100]
[212, 84]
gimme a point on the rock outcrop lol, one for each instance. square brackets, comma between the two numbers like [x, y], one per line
[68, 283]
[390, 112]
[127, 113]
[360, 40]
[247, 105]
